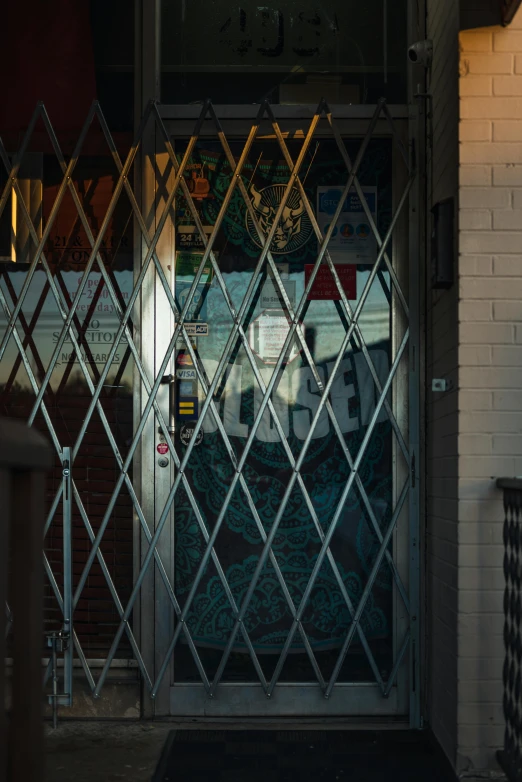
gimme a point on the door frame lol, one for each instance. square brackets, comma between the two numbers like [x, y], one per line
[156, 622]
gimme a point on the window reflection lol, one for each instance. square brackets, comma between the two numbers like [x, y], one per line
[293, 51]
[268, 467]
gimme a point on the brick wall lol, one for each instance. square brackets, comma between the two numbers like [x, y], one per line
[490, 367]
[442, 414]
[95, 474]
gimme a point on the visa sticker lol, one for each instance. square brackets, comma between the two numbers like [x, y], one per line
[186, 374]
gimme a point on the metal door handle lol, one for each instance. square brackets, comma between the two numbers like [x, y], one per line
[171, 381]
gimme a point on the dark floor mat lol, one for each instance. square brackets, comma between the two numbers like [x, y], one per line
[301, 756]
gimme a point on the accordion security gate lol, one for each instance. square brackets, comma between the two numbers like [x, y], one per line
[274, 504]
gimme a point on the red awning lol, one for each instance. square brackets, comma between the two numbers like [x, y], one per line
[47, 55]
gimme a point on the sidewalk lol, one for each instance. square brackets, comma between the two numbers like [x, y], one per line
[104, 751]
[130, 751]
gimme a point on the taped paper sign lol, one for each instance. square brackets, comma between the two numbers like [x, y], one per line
[271, 298]
[198, 305]
[188, 263]
[188, 236]
[352, 238]
[182, 345]
[267, 335]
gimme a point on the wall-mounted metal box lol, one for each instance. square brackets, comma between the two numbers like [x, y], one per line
[443, 244]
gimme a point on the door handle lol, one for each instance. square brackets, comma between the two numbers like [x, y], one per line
[170, 380]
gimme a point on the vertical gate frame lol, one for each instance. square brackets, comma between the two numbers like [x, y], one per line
[147, 87]
[415, 257]
[417, 272]
[66, 700]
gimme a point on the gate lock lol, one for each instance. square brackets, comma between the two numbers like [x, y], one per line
[58, 642]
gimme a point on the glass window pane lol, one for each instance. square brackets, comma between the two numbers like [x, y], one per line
[294, 52]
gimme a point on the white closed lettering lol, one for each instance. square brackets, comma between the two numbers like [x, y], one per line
[300, 390]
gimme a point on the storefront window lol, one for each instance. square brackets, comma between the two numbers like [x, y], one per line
[293, 51]
[68, 374]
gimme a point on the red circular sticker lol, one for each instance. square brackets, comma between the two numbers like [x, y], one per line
[162, 448]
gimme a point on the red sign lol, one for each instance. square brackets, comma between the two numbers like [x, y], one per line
[162, 448]
[68, 244]
[324, 286]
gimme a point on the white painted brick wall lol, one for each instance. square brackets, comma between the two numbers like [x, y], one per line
[490, 367]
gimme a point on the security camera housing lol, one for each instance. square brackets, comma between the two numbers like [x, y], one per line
[421, 53]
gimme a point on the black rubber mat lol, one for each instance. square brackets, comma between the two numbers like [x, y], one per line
[301, 756]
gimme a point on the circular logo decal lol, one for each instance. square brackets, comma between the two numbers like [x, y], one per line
[334, 232]
[186, 433]
[295, 227]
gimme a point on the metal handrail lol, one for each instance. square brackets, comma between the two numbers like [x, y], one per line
[25, 457]
[510, 757]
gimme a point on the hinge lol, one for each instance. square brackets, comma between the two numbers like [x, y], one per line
[413, 474]
[413, 665]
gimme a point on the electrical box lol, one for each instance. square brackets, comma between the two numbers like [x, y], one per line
[443, 244]
[440, 384]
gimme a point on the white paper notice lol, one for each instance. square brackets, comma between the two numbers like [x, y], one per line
[353, 240]
[267, 335]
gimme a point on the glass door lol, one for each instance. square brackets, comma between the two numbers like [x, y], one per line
[288, 396]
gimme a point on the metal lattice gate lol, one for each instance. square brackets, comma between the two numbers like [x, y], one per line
[236, 471]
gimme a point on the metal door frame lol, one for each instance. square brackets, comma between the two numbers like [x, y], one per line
[184, 700]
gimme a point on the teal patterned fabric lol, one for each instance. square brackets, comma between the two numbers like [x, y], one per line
[296, 543]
